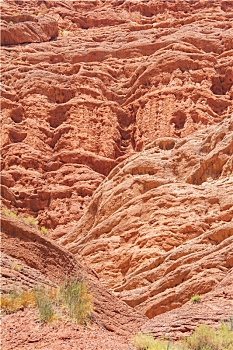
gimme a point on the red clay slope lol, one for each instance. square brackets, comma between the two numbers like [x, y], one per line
[41, 261]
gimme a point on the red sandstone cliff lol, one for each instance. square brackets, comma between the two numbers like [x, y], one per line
[117, 135]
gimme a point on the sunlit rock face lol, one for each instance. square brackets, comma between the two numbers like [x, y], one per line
[92, 82]
[117, 135]
[159, 228]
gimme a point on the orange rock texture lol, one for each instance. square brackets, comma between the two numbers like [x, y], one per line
[159, 228]
[118, 137]
[116, 76]
[213, 309]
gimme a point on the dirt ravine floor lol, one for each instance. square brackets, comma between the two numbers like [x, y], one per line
[31, 334]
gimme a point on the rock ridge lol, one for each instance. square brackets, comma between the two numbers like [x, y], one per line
[155, 224]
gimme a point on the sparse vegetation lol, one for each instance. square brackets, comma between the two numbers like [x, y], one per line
[45, 305]
[17, 300]
[147, 342]
[195, 299]
[29, 220]
[71, 299]
[43, 230]
[206, 338]
[8, 212]
[15, 266]
[203, 338]
[229, 322]
[75, 297]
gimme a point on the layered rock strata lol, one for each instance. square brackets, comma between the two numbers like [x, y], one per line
[160, 227]
[119, 75]
[117, 136]
[213, 309]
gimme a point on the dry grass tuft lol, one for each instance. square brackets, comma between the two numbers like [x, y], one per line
[71, 299]
[17, 300]
[78, 302]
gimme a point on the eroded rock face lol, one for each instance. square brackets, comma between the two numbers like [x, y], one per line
[21, 29]
[159, 228]
[214, 308]
[117, 136]
[119, 75]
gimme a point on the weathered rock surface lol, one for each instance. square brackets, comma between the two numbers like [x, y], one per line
[118, 136]
[214, 308]
[119, 75]
[29, 259]
[24, 28]
[160, 227]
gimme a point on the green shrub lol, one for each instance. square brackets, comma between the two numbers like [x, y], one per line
[230, 323]
[30, 220]
[8, 212]
[143, 341]
[16, 300]
[45, 306]
[206, 338]
[75, 297]
[203, 338]
[15, 266]
[195, 299]
[42, 298]
[225, 337]
[147, 342]
[43, 230]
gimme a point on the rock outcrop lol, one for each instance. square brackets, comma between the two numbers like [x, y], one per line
[24, 28]
[118, 137]
[22, 331]
[213, 309]
[119, 75]
[159, 228]
[30, 259]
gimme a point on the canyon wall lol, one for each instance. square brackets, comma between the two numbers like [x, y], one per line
[159, 229]
[98, 81]
[118, 137]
